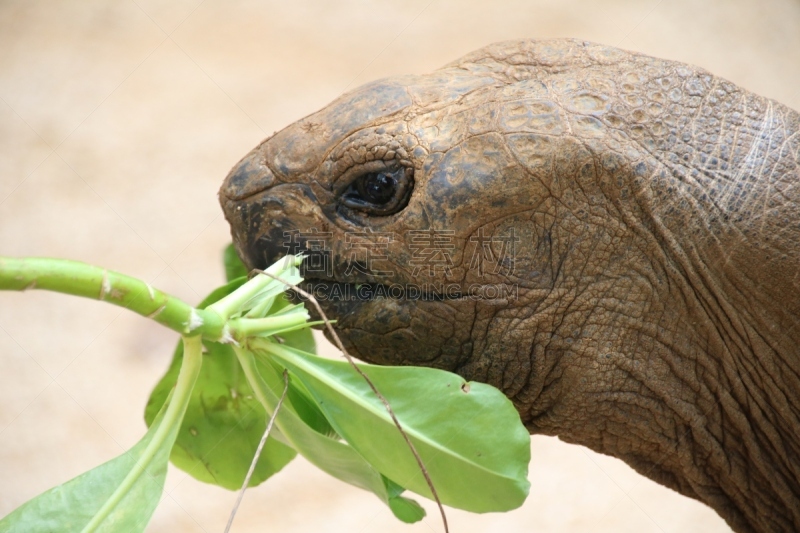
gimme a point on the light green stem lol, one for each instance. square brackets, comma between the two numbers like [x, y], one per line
[232, 303]
[190, 369]
[255, 380]
[247, 327]
[81, 279]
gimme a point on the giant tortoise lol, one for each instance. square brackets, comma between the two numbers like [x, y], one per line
[611, 239]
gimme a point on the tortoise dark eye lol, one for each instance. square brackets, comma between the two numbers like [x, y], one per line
[377, 187]
[381, 192]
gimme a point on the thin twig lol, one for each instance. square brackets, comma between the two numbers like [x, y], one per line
[382, 398]
[258, 451]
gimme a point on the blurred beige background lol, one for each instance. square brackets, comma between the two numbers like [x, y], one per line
[118, 121]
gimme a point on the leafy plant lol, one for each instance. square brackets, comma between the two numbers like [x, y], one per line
[246, 361]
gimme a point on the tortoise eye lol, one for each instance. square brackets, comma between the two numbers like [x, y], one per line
[383, 192]
[377, 187]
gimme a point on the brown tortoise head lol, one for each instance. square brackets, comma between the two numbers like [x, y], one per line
[602, 235]
[447, 189]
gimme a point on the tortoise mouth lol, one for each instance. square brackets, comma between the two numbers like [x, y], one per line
[322, 283]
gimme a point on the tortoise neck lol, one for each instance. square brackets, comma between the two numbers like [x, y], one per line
[726, 231]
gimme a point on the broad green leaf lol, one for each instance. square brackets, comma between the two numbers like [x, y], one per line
[119, 495]
[322, 450]
[301, 400]
[468, 434]
[234, 268]
[224, 421]
[70, 507]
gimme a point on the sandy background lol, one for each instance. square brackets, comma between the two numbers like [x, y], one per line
[118, 121]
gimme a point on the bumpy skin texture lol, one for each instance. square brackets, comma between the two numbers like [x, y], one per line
[657, 262]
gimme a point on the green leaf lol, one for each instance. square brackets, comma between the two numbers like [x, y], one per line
[119, 495]
[301, 400]
[224, 421]
[70, 507]
[234, 268]
[223, 424]
[322, 450]
[406, 509]
[469, 435]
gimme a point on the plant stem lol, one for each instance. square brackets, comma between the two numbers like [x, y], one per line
[190, 369]
[234, 302]
[247, 327]
[247, 360]
[81, 279]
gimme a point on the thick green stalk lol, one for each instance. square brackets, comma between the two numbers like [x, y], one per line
[81, 279]
[190, 369]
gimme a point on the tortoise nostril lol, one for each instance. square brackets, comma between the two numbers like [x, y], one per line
[250, 176]
[258, 224]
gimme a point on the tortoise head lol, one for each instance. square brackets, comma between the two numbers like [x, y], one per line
[464, 219]
[406, 197]
[592, 231]
[528, 212]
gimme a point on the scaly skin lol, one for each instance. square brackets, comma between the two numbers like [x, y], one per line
[657, 265]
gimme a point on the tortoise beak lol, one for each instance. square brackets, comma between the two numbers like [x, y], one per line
[245, 200]
[250, 176]
[264, 212]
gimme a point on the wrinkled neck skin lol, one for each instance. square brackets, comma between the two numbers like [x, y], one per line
[694, 327]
